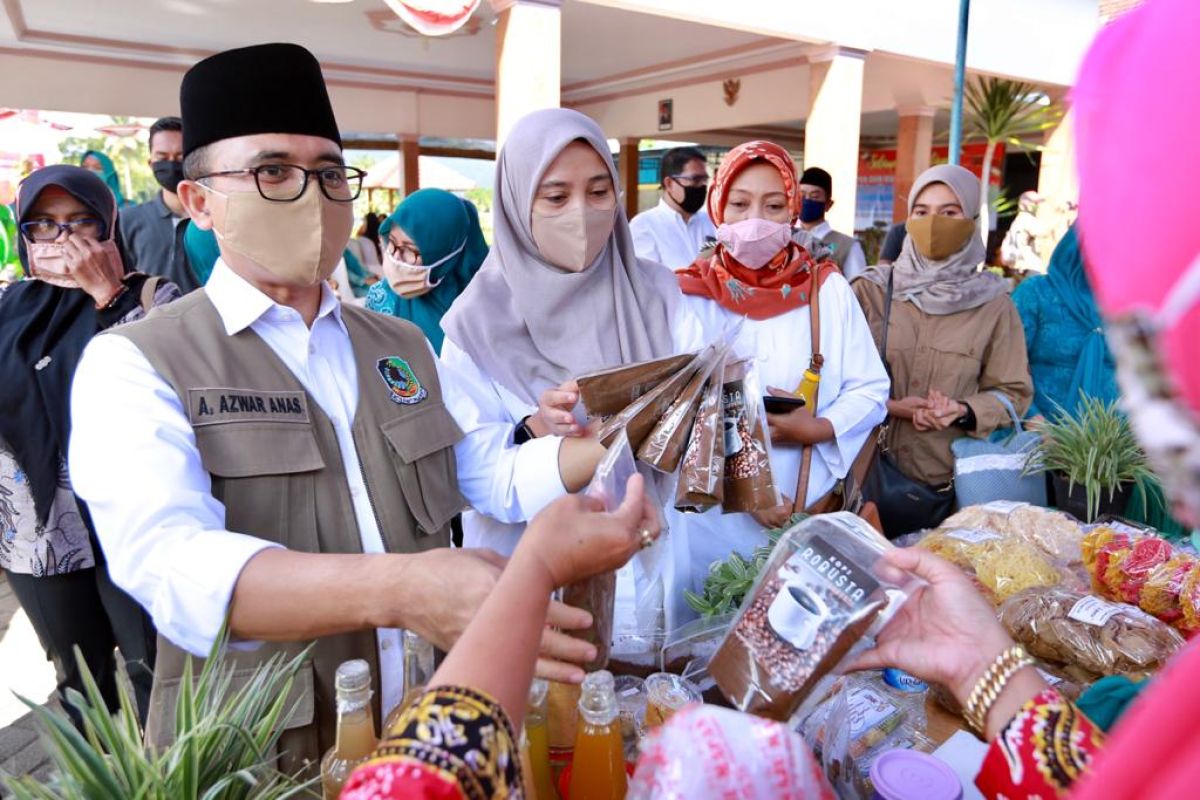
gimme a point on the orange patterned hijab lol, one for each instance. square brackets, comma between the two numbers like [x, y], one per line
[787, 281]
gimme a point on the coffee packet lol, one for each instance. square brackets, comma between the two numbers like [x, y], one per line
[608, 391]
[749, 481]
[663, 447]
[823, 590]
[701, 484]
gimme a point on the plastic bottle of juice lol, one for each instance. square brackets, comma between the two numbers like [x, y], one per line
[418, 670]
[539, 778]
[355, 727]
[598, 768]
[810, 382]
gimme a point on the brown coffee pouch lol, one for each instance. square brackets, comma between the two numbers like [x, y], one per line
[639, 417]
[749, 481]
[596, 595]
[702, 470]
[608, 391]
[663, 447]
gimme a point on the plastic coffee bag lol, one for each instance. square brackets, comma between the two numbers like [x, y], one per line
[608, 391]
[823, 589]
[701, 476]
[749, 482]
[663, 447]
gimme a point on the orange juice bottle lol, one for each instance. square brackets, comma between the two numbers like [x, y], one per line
[355, 727]
[598, 768]
[539, 779]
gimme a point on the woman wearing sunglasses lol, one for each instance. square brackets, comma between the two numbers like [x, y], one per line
[78, 286]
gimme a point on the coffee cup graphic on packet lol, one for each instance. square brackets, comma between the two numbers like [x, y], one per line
[796, 615]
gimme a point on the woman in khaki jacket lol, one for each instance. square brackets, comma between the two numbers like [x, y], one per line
[955, 338]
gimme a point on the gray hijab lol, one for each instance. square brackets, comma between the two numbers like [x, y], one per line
[952, 285]
[530, 325]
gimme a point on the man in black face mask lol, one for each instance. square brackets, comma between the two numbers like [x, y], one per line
[815, 233]
[675, 231]
[153, 231]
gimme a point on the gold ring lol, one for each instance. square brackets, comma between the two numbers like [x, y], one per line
[647, 539]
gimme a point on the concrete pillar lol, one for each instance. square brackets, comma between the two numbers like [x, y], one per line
[913, 144]
[1058, 182]
[528, 59]
[410, 169]
[628, 169]
[831, 130]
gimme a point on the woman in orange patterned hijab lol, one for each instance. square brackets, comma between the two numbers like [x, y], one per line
[756, 269]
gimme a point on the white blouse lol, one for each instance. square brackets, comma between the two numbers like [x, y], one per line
[853, 397]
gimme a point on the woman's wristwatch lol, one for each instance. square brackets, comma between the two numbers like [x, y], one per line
[522, 433]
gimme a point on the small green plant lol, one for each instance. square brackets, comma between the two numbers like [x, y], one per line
[728, 581]
[1095, 448]
[223, 749]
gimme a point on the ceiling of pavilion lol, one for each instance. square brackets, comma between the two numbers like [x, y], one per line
[361, 39]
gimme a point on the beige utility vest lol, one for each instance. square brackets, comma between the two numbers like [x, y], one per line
[276, 466]
[840, 245]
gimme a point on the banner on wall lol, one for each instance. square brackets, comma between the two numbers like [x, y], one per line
[877, 178]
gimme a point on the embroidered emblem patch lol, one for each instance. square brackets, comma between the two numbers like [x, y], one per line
[402, 384]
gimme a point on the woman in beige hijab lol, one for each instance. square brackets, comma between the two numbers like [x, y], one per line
[955, 344]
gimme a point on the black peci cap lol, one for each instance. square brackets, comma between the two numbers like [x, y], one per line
[265, 88]
[815, 176]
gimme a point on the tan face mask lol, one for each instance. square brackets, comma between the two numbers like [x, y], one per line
[573, 239]
[299, 242]
[937, 237]
[48, 263]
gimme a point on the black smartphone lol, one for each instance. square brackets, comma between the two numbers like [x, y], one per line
[782, 405]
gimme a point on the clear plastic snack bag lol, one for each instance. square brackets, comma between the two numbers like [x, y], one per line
[607, 391]
[864, 716]
[749, 481]
[706, 751]
[597, 595]
[823, 589]
[1086, 636]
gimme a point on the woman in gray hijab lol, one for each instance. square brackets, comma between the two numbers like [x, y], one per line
[561, 293]
[955, 343]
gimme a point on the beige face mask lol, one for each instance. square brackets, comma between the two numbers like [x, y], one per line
[937, 237]
[573, 239]
[299, 242]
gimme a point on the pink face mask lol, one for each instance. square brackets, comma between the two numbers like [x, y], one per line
[754, 242]
[48, 262]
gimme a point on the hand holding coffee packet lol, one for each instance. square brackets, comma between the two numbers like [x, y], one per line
[820, 593]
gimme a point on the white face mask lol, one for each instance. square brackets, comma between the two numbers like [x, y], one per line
[573, 239]
[413, 280]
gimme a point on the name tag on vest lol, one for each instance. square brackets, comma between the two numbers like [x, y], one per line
[219, 406]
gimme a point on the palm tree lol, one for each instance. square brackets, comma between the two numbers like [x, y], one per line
[1000, 110]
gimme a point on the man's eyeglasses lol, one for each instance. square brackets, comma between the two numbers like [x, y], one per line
[47, 230]
[284, 183]
[691, 180]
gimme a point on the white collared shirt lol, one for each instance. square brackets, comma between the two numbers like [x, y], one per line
[661, 234]
[133, 458]
[856, 260]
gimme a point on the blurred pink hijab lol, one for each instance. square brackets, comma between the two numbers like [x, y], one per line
[1137, 106]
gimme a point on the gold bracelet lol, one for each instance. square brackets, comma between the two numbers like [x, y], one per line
[991, 684]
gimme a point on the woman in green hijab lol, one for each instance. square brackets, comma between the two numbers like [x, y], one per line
[432, 247]
[103, 166]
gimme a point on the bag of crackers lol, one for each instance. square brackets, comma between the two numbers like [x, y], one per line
[823, 590]
[1131, 566]
[1088, 637]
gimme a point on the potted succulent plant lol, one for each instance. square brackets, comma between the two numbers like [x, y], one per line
[224, 740]
[1094, 461]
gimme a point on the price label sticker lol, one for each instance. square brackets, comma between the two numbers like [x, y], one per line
[1094, 611]
[973, 535]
